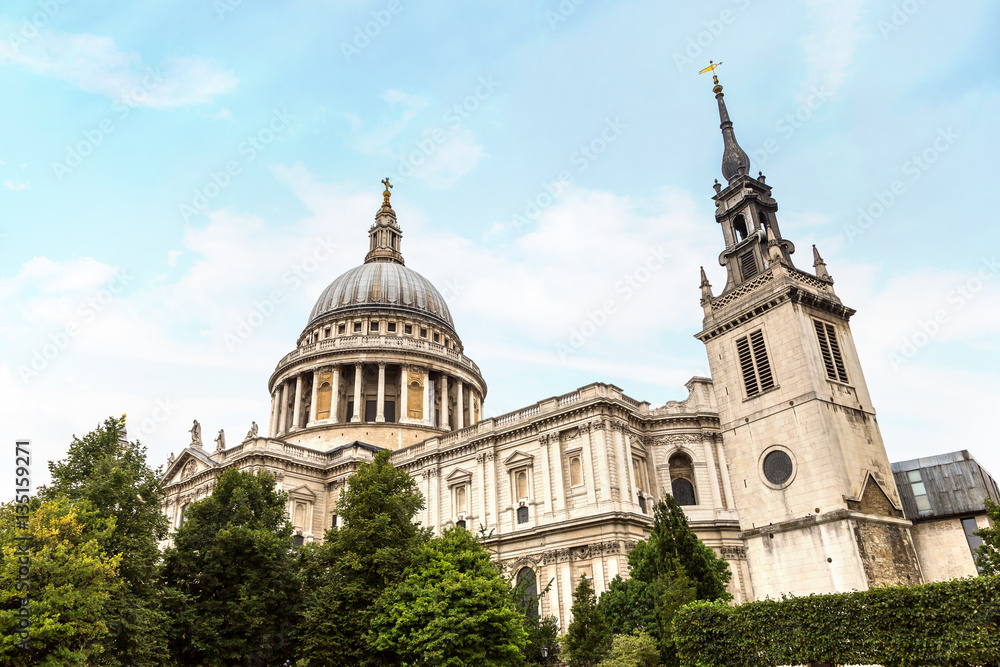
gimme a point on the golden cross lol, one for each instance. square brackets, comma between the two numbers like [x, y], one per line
[387, 184]
[711, 68]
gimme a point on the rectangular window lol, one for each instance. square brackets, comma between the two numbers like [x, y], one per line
[830, 349]
[423, 332]
[373, 326]
[522, 515]
[970, 528]
[389, 408]
[371, 408]
[920, 496]
[408, 329]
[754, 363]
[357, 327]
[341, 329]
[391, 327]
[327, 332]
[333, 522]
[748, 265]
[437, 338]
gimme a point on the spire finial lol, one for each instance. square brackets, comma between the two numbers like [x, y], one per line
[386, 194]
[706, 288]
[734, 158]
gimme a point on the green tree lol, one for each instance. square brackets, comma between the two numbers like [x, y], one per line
[72, 583]
[452, 609]
[669, 570]
[358, 561]
[988, 554]
[542, 647]
[232, 585]
[588, 637]
[632, 651]
[111, 473]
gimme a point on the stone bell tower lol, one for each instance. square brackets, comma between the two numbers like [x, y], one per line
[818, 507]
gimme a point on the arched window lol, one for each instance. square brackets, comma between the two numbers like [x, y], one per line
[683, 491]
[575, 471]
[740, 227]
[460, 500]
[527, 586]
[521, 484]
[682, 479]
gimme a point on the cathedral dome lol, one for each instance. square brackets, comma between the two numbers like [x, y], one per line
[383, 284]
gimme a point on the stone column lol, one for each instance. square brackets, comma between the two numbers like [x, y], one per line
[404, 380]
[713, 480]
[427, 397]
[445, 421]
[460, 408]
[380, 401]
[335, 395]
[283, 409]
[272, 429]
[297, 405]
[724, 469]
[543, 441]
[358, 370]
[600, 445]
[312, 399]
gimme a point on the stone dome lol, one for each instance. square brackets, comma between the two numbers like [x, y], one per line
[388, 285]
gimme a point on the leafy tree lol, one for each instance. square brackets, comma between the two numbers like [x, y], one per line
[358, 562]
[632, 651]
[452, 609]
[988, 554]
[543, 638]
[669, 570]
[111, 473]
[71, 586]
[233, 591]
[588, 637]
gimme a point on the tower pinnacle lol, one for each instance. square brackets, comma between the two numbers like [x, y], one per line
[385, 235]
[734, 158]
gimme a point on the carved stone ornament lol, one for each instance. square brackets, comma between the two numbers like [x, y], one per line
[678, 439]
[599, 424]
[584, 427]
[189, 469]
[544, 438]
[733, 553]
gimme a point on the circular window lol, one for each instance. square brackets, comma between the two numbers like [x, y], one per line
[777, 467]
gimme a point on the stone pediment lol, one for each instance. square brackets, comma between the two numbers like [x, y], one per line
[302, 491]
[518, 458]
[187, 465]
[458, 476]
[874, 500]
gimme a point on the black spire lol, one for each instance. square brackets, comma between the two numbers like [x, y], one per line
[734, 159]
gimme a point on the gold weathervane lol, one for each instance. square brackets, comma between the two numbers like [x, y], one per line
[386, 194]
[711, 68]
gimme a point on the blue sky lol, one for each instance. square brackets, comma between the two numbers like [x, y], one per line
[165, 171]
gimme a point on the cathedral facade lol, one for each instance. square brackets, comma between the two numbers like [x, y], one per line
[777, 458]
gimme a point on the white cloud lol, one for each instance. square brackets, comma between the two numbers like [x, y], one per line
[454, 156]
[94, 64]
[16, 186]
[829, 48]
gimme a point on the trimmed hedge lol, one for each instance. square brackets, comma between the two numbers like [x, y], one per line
[953, 623]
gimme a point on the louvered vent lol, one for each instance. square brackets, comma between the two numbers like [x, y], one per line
[748, 265]
[754, 363]
[829, 347]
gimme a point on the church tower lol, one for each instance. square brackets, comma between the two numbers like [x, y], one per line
[819, 510]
